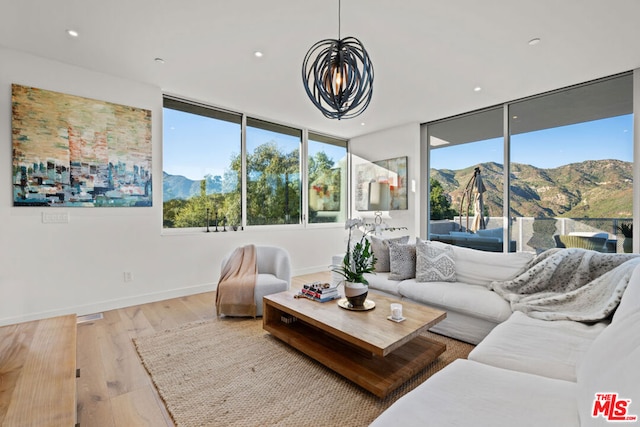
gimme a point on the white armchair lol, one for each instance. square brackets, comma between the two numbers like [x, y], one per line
[274, 272]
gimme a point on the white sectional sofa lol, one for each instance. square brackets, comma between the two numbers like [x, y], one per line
[472, 309]
[531, 372]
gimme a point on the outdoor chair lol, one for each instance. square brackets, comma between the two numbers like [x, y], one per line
[584, 242]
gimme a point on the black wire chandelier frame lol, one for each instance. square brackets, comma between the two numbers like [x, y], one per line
[338, 76]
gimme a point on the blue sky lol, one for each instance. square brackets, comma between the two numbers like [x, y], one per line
[596, 140]
[194, 146]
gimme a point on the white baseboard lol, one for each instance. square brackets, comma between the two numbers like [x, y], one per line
[310, 270]
[114, 304]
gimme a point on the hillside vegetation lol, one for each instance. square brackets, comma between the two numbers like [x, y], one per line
[594, 189]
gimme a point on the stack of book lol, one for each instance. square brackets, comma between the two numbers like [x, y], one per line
[319, 291]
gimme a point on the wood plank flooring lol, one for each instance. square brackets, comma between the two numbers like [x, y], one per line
[114, 389]
[38, 373]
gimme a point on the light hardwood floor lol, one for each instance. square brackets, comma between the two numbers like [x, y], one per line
[114, 388]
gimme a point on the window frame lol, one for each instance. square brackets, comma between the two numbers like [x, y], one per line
[425, 152]
[195, 107]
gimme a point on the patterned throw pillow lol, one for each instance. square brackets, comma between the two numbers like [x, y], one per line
[434, 263]
[402, 259]
[380, 249]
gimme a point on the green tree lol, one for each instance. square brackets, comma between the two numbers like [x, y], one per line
[319, 165]
[194, 212]
[273, 186]
[170, 210]
[439, 202]
[273, 191]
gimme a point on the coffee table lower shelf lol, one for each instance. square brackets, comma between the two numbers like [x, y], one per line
[379, 375]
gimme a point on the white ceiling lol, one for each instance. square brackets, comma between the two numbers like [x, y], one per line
[428, 55]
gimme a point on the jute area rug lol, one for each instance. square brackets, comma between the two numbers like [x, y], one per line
[230, 372]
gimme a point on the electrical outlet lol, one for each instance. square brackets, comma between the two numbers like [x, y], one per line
[127, 276]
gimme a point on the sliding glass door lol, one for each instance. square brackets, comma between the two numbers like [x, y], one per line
[572, 166]
[466, 188]
[566, 158]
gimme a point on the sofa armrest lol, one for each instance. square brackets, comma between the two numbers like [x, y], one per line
[336, 261]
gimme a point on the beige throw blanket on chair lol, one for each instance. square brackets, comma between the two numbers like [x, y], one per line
[235, 294]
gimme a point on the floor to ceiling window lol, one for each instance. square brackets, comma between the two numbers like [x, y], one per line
[466, 154]
[572, 166]
[569, 171]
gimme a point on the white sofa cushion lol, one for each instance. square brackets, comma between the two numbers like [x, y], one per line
[611, 366]
[481, 268]
[467, 393]
[474, 300]
[542, 347]
[630, 301]
[381, 282]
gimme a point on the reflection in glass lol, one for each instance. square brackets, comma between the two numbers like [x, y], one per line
[273, 174]
[327, 171]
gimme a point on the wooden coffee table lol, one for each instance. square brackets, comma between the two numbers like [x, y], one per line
[363, 346]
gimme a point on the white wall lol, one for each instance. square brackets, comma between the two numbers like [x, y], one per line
[52, 269]
[390, 143]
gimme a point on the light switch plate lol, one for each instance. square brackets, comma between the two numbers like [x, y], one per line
[55, 217]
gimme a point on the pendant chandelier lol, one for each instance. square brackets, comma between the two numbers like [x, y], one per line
[338, 76]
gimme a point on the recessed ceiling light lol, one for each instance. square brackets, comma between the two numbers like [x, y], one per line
[477, 89]
[514, 117]
[159, 60]
[258, 54]
[362, 124]
[73, 33]
[534, 42]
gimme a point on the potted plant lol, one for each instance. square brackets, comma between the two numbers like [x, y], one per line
[626, 229]
[358, 260]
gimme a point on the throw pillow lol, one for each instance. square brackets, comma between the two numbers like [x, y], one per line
[481, 268]
[434, 263]
[380, 248]
[402, 260]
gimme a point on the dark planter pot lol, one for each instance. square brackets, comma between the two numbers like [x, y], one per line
[356, 293]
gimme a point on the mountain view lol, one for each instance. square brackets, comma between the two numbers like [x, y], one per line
[180, 187]
[595, 189]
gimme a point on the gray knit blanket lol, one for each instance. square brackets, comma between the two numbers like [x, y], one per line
[569, 284]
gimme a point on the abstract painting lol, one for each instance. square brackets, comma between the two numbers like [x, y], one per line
[390, 171]
[74, 151]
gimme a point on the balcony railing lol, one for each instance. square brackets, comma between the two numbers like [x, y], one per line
[533, 234]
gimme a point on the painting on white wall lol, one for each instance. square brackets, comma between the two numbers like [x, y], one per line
[74, 151]
[391, 173]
